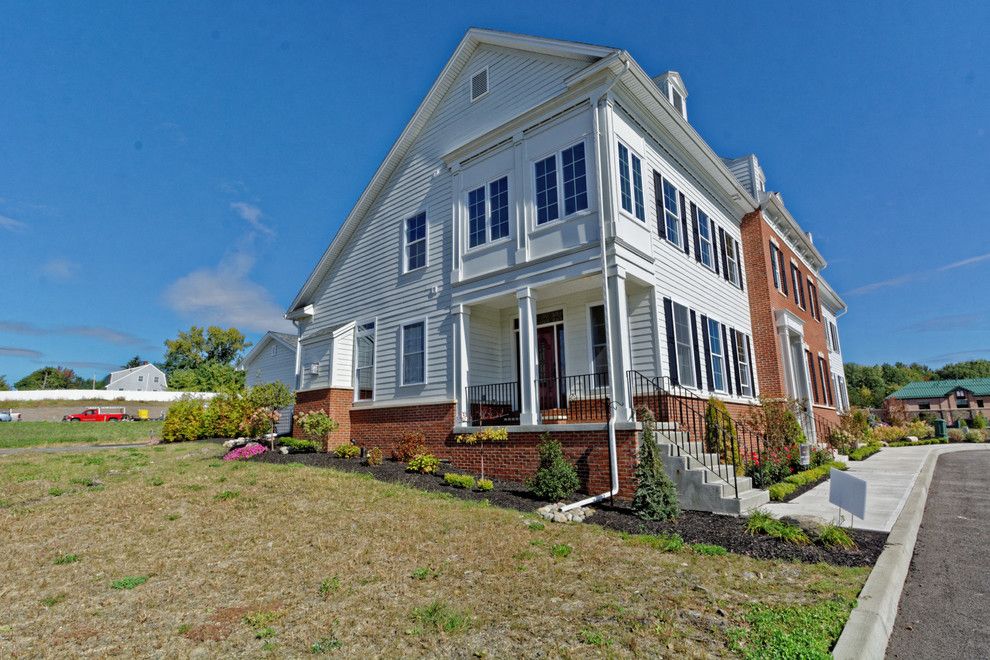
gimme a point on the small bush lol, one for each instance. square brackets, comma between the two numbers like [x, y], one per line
[555, 479]
[52, 601]
[921, 430]
[864, 452]
[423, 463]
[974, 435]
[488, 434]
[409, 446]
[890, 433]
[760, 522]
[485, 484]
[656, 495]
[779, 492]
[841, 440]
[374, 456]
[347, 451]
[833, 536]
[300, 445]
[185, 421]
[459, 480]
[709, 549]
[317, 427]
[247, 451]
[908, 443]
[129, 582]
[957, 435]
[224, 415]
[980, 421]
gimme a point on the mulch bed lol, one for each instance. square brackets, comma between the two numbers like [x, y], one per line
[693, 526]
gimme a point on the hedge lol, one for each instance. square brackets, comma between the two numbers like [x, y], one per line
[863, 453]
[908, 443]
[780, 491]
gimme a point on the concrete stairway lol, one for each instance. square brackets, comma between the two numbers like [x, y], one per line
[699, 488]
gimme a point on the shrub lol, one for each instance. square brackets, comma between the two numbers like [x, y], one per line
[184, 421]
[423, 463]
[374, 456]
[833, 536]
[889, 433]
[841, 440]
[721, 437]
[347, 451]
[247, 451]
[409, 445]
[224, 415]
[265, 402]
[459, 480]
[908, 443]
[856, 423]
[656, 496]
[779, 492]
[555, 479]
[760, 522]
[486, 435]
[300, 444]
[980, 422]
[921, 429]
[485, 484]
[974, 435]
[317, 427]
[956, 435]
[864, 452]
[962, 424]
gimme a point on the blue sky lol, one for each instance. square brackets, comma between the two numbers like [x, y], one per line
[188, 162]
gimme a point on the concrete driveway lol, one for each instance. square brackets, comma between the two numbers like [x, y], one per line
[946, 599]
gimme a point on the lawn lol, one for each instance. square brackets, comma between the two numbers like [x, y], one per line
[169, 551]
[33, 434]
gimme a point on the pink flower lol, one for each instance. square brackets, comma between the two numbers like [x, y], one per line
[247, 451]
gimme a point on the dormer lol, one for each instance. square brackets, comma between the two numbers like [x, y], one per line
[749, 174]
[672, 86]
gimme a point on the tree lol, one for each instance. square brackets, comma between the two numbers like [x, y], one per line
[869, 385]
[970, 369]
[207, 377]
[51, 378]
[135, 361]
[3, 384]
[196, 347]
[555, 479]
[656, 495]
[266, 400]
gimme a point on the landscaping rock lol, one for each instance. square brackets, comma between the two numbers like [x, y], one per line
[554, 513]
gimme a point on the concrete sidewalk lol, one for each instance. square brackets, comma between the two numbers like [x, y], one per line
[889, 474]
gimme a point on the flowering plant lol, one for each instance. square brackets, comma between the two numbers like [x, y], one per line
[247, 451]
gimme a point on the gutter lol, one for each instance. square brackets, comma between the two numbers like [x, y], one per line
[613, 461]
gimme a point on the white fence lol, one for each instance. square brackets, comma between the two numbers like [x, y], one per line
[101, 395]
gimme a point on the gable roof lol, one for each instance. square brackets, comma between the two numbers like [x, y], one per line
[123, 373]
[936, 389]
[284, 338]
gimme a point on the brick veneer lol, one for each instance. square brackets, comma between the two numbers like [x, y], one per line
[334, 401]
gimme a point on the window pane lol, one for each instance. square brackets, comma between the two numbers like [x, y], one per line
[744, 376]
[416, 255]
[416, 242]
[685, 346]
[599, 346]
[704, 231]
[575, 185]
[715, 341]
[546, 190]
[637, 170]
[625, 186]
[498, 200]
[364, 372]
[671, 212]
[413, 353]
[476, 216]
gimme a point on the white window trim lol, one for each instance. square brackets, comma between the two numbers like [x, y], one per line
[402, 350]
[426, 241]
[796, 283]
[507, 175]
[677, 202]
[374, 362]
[690, 345]
[740, 350]
[470, 84]
[701, 239]
[733, 259]
[711, 354]
[591, 338]
[632, 182]
[559, 163]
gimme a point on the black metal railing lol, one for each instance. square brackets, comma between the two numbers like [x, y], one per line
[573, 399]
[824, 428]
[729, 449]
[493, 404]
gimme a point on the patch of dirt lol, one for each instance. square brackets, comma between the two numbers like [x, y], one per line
[693, 526]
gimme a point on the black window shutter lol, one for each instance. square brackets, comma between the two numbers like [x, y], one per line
[708, 350]
[715, 243]
[784, 276]
[742, 287]
[725, 255]
[752, 367]
[697, 353]
[668, 312]
[658, 198]
[697, 236]
[725, 360]
[684, 224]
[735, 360]
[797, 283]
[812, 376]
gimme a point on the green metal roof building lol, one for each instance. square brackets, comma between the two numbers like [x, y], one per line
[951, 400]
[938, 389]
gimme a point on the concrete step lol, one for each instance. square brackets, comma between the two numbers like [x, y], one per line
[700, 488]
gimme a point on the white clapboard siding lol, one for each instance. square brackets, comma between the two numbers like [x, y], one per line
[273, 362]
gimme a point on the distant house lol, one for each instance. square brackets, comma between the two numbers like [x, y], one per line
[273, 359]
[146, 378]
[949, 399]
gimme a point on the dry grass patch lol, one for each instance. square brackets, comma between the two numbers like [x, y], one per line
[315, 561]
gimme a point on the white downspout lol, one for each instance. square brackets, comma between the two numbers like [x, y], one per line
[613, 460]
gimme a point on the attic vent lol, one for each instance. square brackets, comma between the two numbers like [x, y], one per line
[479, 84]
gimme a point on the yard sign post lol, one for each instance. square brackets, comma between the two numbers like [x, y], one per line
[848, 493]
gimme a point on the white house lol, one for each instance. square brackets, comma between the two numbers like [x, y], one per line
[548, 229]
[146, 378]
[273, 359]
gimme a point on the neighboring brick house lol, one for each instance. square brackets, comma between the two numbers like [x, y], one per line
[950, 400]
[548, 231]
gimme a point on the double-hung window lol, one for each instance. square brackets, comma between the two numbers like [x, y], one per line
[575, 180]
[561, 182]
[415, 235]
[745, 373]
[732, 260]
[599, 346]
[672, 214]
[716, 354]
[414, 353]
[823, 376]
[488, 212]
[547, 206]
[705, 251]
[796, 280]
[813, 300]
[834, 331]
[631, 183]
[683, 339]
[364, 365]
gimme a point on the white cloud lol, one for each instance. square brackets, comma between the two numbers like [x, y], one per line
[225, 295]
[913, 277]
[59, 269]
[966, 262]
[252, 215]
[11, 225]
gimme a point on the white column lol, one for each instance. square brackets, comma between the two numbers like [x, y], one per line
[462, 332]
[298, 357]
[529, 410]
[618, 336]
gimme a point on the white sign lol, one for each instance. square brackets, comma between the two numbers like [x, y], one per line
[847, 492]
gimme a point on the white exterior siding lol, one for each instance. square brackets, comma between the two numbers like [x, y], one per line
[146, 378]
[367, 281]
[273, 362]
[835, 363]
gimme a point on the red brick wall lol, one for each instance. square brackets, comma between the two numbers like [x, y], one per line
[384, 427]
[334, 401]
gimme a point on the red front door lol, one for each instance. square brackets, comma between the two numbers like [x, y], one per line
[548, 366]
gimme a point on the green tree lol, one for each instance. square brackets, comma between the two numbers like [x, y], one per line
[266, 400]
[207, 377]
[3, 384]
[969, 369]
[198, 346]
[869, 385]
[51, 378]
[555, 479]
[135, 361]
[656, 495]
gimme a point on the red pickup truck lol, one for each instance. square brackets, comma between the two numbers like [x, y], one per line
[98, 415]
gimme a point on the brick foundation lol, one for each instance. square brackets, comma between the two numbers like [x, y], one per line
[334, 401]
